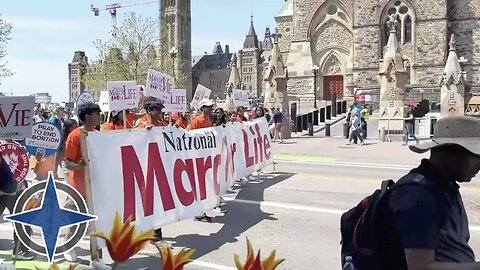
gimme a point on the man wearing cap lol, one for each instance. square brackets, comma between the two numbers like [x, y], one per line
[203, 120]
[426, 223]
[153, 106]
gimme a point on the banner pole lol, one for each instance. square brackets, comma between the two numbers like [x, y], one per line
[124, 119]
[88, 187]
[108, 117]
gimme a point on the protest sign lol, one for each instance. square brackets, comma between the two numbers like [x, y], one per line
[201, 93]
[17, 160]
[16, 117]
[103, 103]
[159, 85]
[142, 96]
[240, 98]
[44, 140]
[178, 101]
[83, 99]
[122, 95]
[167, 174]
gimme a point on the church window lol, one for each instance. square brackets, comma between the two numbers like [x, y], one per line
[403, 10]
[405, 18]
[332, 10]
[408, 29]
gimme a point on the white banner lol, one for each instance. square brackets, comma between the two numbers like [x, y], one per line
[164, 175]
[103, 103]
[240, 98]
[159, 85]
[201, 93]
[122, 95]
[16, 115]
[177, 102]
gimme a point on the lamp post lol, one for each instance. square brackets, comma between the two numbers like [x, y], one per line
[173, 53]
[315, 69]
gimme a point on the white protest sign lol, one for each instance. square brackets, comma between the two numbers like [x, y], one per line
[142, 96]
[201, 93]
[16, 115]
[178, 101]
[103, 103]
[240, 98]
[122, 95]
[159, 85]
[167, 174]
[84, 98]
[44, 140]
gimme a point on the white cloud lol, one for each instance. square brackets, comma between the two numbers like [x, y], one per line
[37, 23]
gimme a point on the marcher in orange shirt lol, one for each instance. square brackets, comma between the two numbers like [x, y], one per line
[203, 120]
[240, 114]
[89, 115]
[153, 106]
[181, 119]
[117, 121]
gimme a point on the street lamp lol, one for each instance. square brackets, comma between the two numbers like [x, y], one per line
[462, 61]
[315, 69]
[173, 53]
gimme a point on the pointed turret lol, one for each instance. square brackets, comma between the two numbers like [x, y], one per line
[392, 46]
[251, 40]
[234, 82]
[453, 89]
[267, 42]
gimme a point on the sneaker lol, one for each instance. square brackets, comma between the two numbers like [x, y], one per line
[219, 210]
[163, 243]
[99, 265]
[348, 143]
[203, 217]
[404, 144]
[24, 256]
[70, 256]
[243, 181]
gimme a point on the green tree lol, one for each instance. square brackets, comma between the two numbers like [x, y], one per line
[5, 31]
[128, 55]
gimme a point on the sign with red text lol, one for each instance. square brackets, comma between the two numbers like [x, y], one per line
[177, 102]
[167, 174]
[122, 95]
[17, 160]
[103, 103]
[240, 98]
[159, 85]
[16, 115]
[201, 93]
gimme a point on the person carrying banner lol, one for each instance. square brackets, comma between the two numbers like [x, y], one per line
[89, 115]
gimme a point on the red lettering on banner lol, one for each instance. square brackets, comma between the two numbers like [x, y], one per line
[132, 170]
[202, 167]
[184, 196]
[260, 146]
[217, 161]
[230, 157]
[246, 149]
[267, 147]
[21, 116]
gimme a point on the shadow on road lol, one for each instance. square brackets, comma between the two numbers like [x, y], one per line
[242, 214]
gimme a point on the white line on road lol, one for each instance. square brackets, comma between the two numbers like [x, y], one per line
[195, 262]
[357, 165]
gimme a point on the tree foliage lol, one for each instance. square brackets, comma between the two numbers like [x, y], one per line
[5, 31]
[131, 51]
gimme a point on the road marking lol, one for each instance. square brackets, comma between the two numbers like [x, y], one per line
[304, 158]
[357, 165]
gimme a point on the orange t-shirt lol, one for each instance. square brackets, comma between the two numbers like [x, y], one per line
[145, 122]
[240, 118]
[112, 126]
[200, 121]
[130, 119]
[182, 123]
[73, 152]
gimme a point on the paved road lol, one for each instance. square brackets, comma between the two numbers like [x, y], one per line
[294, 209]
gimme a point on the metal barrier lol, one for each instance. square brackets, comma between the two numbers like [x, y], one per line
[339, 107]
[344, 106]
[315, 118]
[322, 115]
[304, 122]
[298, 123]
[310, 118]
[328, 113]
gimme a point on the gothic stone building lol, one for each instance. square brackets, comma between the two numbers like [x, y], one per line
[346, 40]
[76, 70]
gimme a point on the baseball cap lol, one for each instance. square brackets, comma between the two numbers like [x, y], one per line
[205, 103]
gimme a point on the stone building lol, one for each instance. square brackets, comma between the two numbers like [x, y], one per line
[212, 70]
[347, 38]
[176, 28]
[76, 70]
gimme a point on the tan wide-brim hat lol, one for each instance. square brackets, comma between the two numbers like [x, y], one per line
[459, 130]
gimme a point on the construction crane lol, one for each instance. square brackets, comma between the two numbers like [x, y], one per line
[112, 9]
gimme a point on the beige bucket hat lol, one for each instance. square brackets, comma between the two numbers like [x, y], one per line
[459, 130]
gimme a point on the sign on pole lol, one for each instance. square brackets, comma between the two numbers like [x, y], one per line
[16, 115]
[17, 160]
[201, 93]
[103, 103]
[159, 85]
[84, 98]
[44, 140]
[240, 98]
[178, 101]
[142, 96]
[122, 95]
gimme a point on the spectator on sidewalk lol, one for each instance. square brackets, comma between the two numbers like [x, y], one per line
[408, 131]
[277, 119]
[355, 129]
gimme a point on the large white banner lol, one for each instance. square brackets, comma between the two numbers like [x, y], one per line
[164, 175]
[159, 85]
[177, 102]
[16, 115]
[122, 95]
[240, 98]
[201, 93]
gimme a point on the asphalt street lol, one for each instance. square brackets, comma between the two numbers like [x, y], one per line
[294, 208]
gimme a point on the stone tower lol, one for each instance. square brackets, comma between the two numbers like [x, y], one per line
[234, 82]
[453, 85]
[249, 63]
[76, 70]
[392, 86]
[276, 95]
[176, 31]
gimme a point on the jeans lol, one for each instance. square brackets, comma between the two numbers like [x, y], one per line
[408, 133]
[8, 201]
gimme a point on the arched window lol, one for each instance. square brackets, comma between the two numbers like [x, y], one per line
[407, 27]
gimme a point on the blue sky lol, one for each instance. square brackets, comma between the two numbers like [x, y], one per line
[46, 33]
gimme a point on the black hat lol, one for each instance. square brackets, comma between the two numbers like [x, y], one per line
[151, 103]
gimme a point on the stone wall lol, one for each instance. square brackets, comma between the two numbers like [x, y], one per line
[300, 86]
[464, 9]
[366, 46]
[366, 77]
[286, 29]
[431, 43]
